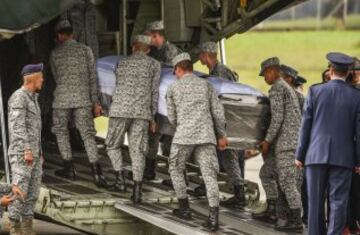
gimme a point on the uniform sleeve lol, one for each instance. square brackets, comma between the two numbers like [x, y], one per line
[155, 89]
[5, 188]
[93, 76]
[17, 122]
[218, 114]
[53, 66]
[171, 52]
[305, 130]
[277, 113]
[171, 108]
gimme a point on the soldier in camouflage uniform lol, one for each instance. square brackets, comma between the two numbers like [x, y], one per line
[208, 57]
[75, 96]
[163, 51]
[83, 19]
[196, 112]
[25, 152]
[282, 136]
[133, 110]
[290, 75]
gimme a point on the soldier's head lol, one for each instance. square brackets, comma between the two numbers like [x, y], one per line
[339, 64]
[289, 74]
[64, 31]
[182, 65]
[270, 70]
[156, 31]
[33, 77]
[141, 43]
[299, 83]
[354, 75]
[326, 76]
[208, 53]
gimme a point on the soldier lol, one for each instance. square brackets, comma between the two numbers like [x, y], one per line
[282, 136]
[208, 57]
[196, 112]
[75, 95]
[290, 75]
[25, 152]
[163, 50]
[299, 83]
[132, 111]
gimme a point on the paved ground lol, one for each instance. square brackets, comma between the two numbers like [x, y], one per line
[252, 168]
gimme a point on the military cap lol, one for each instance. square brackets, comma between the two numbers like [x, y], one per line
[289, 71]
[340, 61]
[300, 81]
[181, 57]
[210, 47]
[32, 68]
[155, 26]
[273, 61]
[63, 24]
[142, 39]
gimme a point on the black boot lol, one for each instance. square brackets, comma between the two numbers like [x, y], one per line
[183, 212]
[99, 178]
[213, 219]
[68, 171]
[294, 223]
[120, 183]
[238, 200]
[150, 166]
[136, 197]
[269, 215]
[200, 191]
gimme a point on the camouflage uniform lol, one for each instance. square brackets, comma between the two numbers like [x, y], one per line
[301, 99]
[268, 177]
[25, 134]
[195, 110]
[165, 53]
[76, 92]
[224, 72]
[135, 103]
[83, 20]
[4, 190]
[282, 134]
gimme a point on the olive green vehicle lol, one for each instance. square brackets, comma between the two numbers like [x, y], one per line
[27, 35]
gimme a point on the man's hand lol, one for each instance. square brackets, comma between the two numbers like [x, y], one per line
[6, 200]
[152, 126]
[28, 157]
[222, 143]
[299, 164]
[97, 110]
[357, 170]
[17, 192]
[265, 148]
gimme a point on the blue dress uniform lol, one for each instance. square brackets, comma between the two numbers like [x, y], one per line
[329, 148]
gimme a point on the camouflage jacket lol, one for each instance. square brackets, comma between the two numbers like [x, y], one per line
[166, 53]
[83, 20]
[285, 117]
[224, 72]
[73, 67]
[301, 99]
[137, 87]
[4, 190]
[195, 110]
[24, 121]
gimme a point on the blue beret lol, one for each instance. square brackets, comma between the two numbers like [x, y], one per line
[32, 68]
[340, 61]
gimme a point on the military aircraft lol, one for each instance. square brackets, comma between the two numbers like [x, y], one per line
[27, 35]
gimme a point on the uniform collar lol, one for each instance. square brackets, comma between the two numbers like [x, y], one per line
[68, 42]
[338, 79]
[188, 75]
[139, 53]
[33, 95]
[214, 67]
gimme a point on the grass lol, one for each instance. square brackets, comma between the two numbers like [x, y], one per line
[304, 50]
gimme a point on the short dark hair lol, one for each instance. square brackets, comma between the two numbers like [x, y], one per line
[186, 65]
[66, 31]
[340, 72]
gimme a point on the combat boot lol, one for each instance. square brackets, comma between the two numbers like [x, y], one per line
[269, 215]
[15, 227]
[120, 183]
[238, 200]
[27, 226]
[150, 166]
[68, 171]
[294, 223]
[213, 219]
[99, 178]
[137, 194]
[183, 212]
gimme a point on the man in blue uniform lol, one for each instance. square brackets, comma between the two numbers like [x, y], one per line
[329, 147]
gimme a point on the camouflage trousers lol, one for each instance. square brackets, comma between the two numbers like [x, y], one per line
[205, 155]
[289, 178]
[269, 177]
[137, 132]
[83, 119]
[28, 178]
[232, 168]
